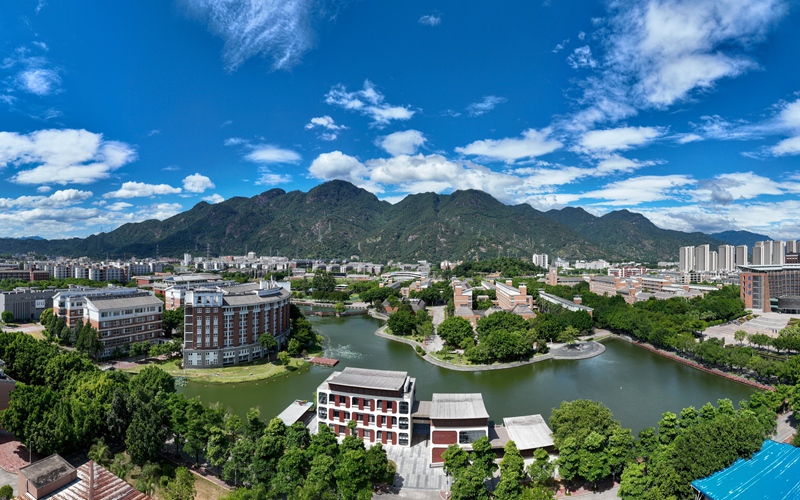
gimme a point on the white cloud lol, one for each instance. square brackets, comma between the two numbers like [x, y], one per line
[637, 190]
[234, 141]
[615, 163]
[618, 139]
[368, 102]
[197, 183]
[267, 153]
[133, 189]
[488, 103]
[790, 146]
[558, 48]
[60, 198]
[280, 29]
[269, 178]
[659, 52]
[326, 123]
[402, 143]
[729, 187]
[65, 156]
[430, 20]
[337, 165]
[39, 81]
[581, 58]
[44, 189]
[214, 199]
[532, 144]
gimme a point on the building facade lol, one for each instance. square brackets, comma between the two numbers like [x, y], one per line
[378, 401]
[122, 321]
[69, 304]
[222, 324]
[26, 304]
[458, 419]
[770, 288]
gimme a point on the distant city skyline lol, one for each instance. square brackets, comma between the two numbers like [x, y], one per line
[687, 112]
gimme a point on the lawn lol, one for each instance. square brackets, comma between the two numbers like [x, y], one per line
[257, 370]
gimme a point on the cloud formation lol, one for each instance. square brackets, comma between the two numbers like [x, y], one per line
[267, 153]
[65, 156]
[279, 29]
[141, 189]
[659, 52]
[488, 103]
[197, 183]
[532, 144]
[326, 123]
[617, 139]
[402, 143]
[430, 20]
[368, 102]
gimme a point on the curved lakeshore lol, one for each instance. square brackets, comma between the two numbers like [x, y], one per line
[562, 352]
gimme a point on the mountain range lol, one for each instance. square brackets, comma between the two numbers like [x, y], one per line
[337, 219]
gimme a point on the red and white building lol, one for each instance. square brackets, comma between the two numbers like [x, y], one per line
[123, 320]
[222, 324]
[69, 304]
[456, 419]
[379, 401]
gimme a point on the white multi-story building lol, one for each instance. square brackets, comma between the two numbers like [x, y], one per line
[702, 258]
[741, 255]
[378, 401]
[121, 321]
[686, 259]
[541, 260]
[69, 304]
[727, 258]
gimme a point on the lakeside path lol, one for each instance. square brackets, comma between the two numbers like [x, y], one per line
[691, 363]
[586, 350]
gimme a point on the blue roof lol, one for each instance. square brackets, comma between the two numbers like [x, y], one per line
[773, 473]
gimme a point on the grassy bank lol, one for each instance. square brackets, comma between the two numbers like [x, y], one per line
[257, 370]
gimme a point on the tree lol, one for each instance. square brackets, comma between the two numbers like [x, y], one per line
[668, 428]
[180, 488]
[148, 478]
[7, 316]
[352, 475]
[381, 471]
[88, 343]
[147, 432]
[620, 450]
[469, 485]
[455, 459]
[542, 469]
[293, 348]
[284, 358]
[569, 460]
[324, 282]
[594, 463]
[455, 330]
[568, 335]
[402, 322]
[634, 485]
[512, 472]
[268, 343]
[339, 308]
[483, 457]
[100, 453]
[501, 320]
[740, 336]
[577, 419]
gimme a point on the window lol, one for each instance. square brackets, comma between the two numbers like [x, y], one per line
[379, 435]
[403, 439]
[322, 413]
[404, 407]
[323, 398]
[468, 437]
[404, 423]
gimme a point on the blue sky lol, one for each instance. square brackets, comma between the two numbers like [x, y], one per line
[686, 111]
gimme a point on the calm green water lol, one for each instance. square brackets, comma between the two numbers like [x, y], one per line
[636, 384]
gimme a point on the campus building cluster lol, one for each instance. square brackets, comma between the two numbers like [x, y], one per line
[511, 299]
[727, 258]
[383, 408]
[766, 288]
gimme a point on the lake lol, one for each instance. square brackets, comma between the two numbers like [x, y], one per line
[636, 384]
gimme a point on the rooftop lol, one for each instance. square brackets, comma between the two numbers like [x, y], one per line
[102, 484]
[450, 406]
[295, 411]
[47, 470]
[772, 473]
[112, 302]
[528, 432]
[370, 379]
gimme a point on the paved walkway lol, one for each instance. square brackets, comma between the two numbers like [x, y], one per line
[787, 426]
[413, 469]
[769, 323]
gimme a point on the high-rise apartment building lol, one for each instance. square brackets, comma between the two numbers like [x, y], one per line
[741, 256]
[686, 259]
[727, 258]
[702, 258]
